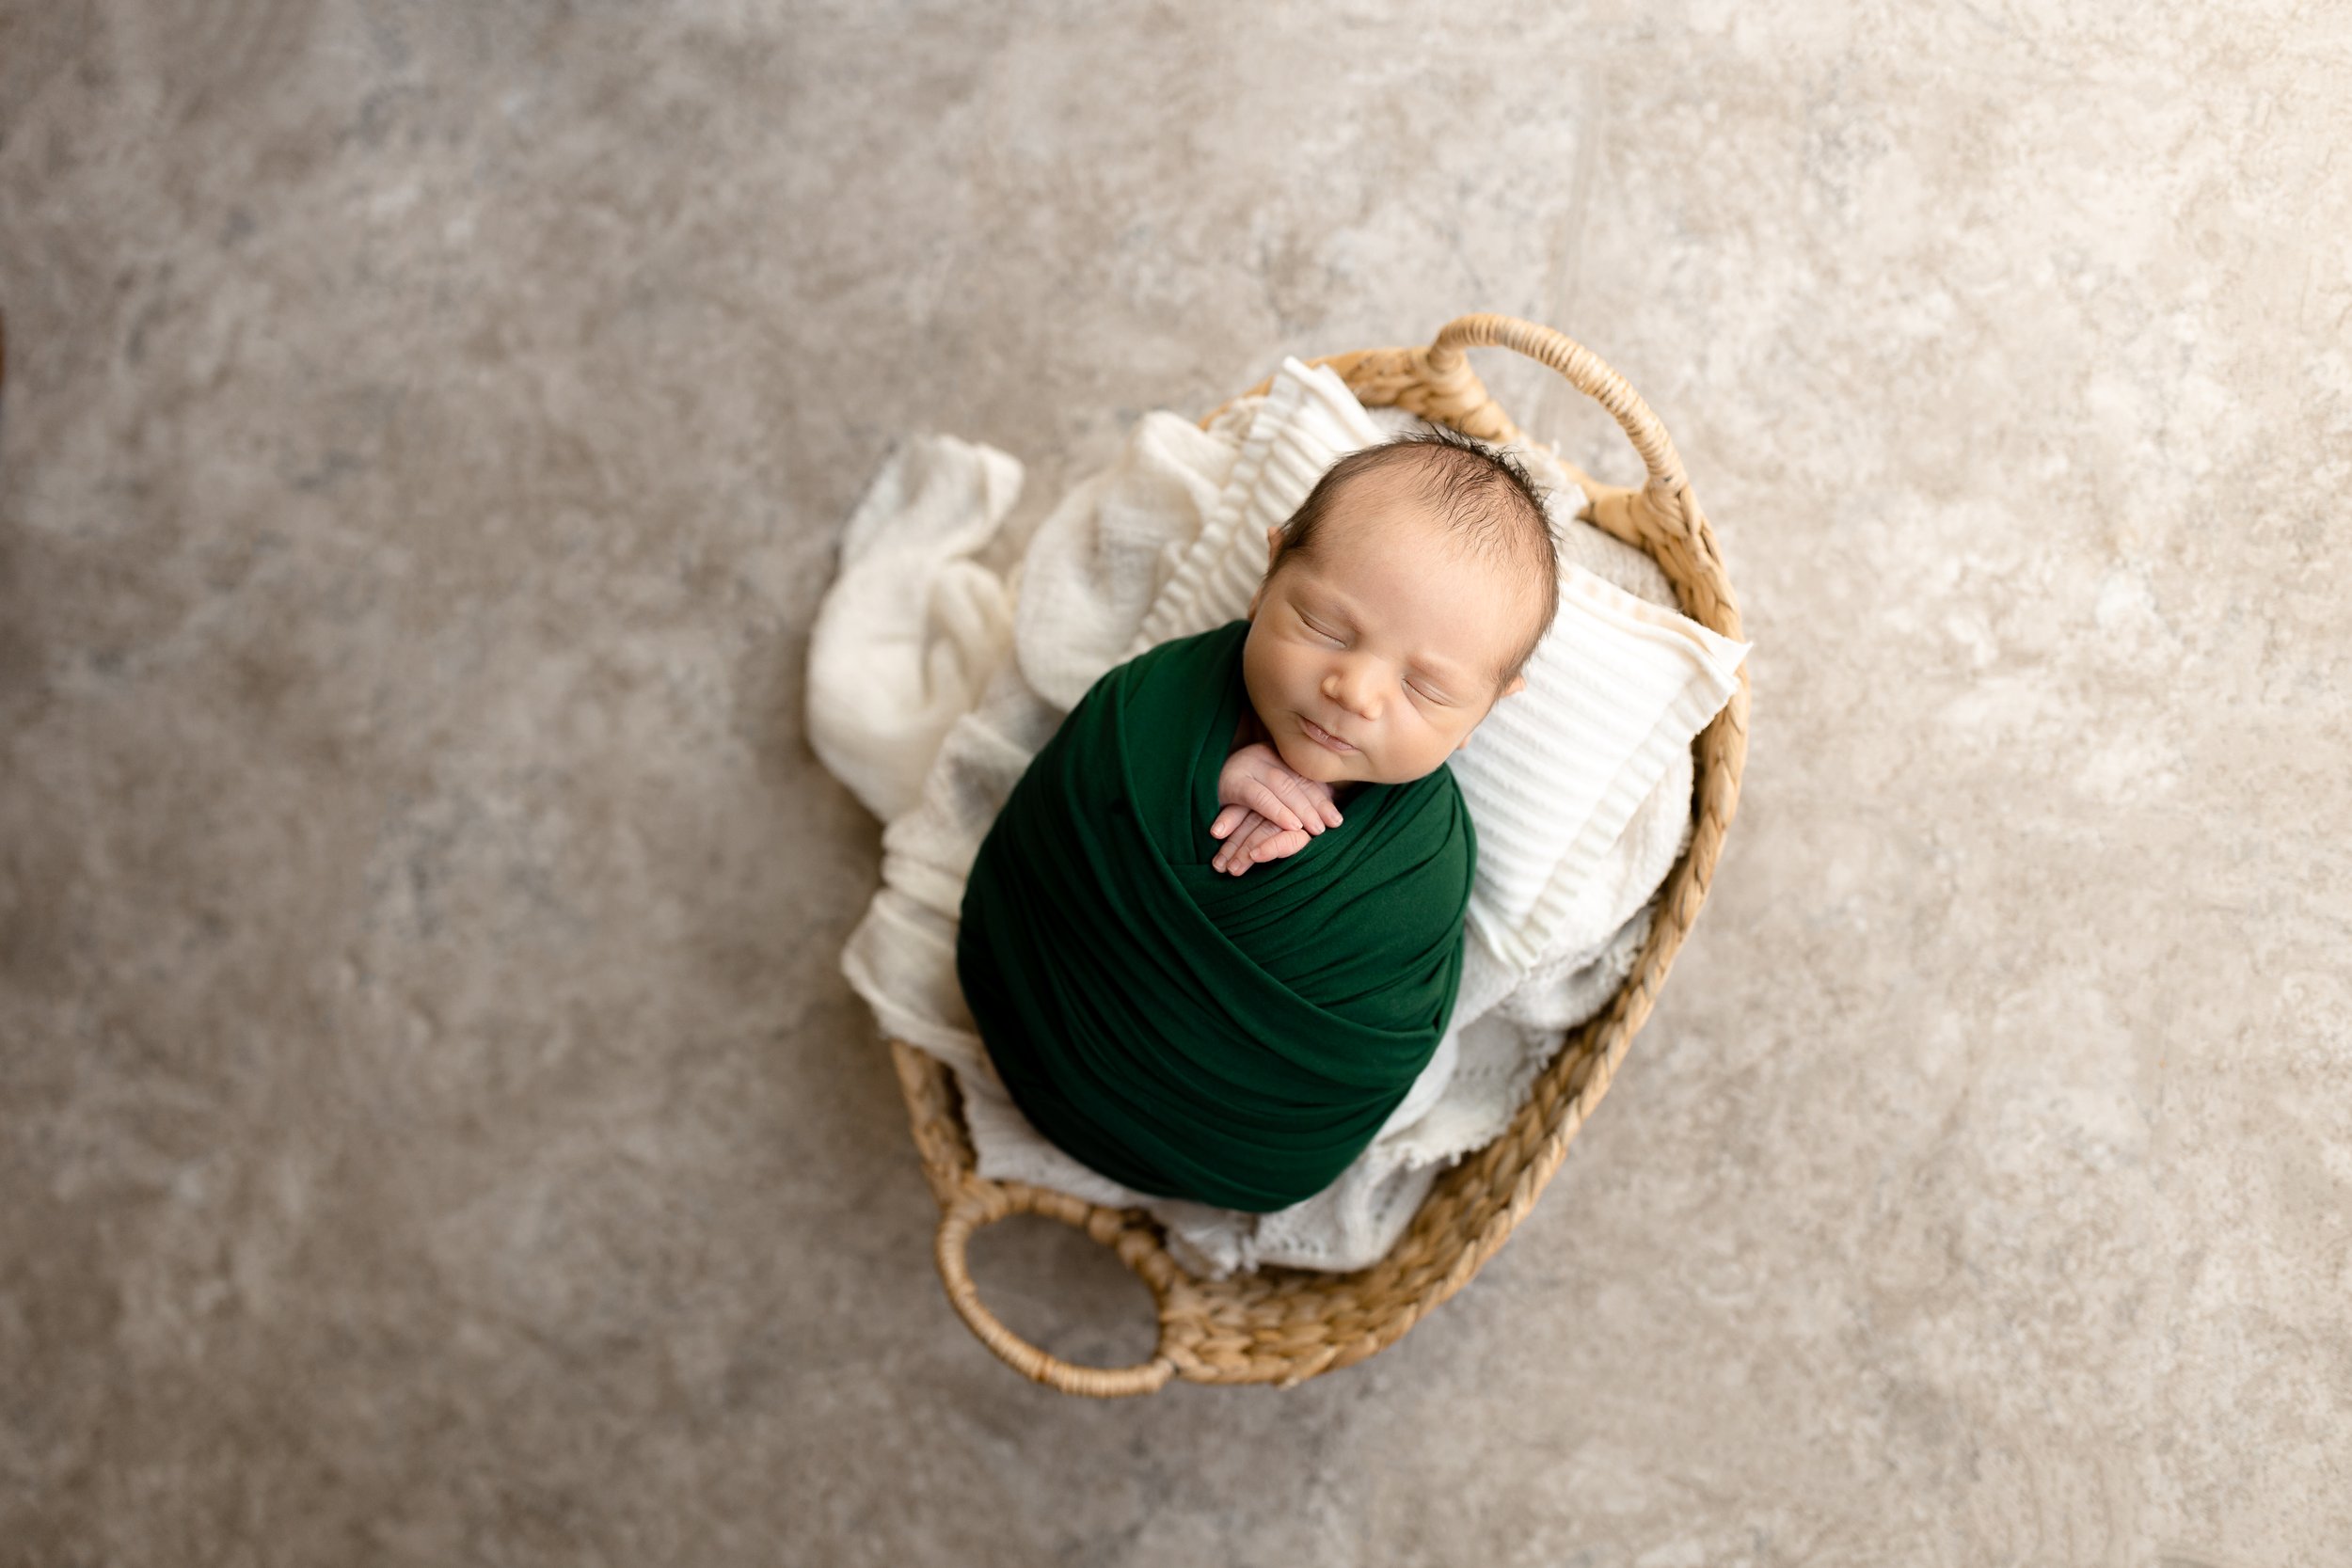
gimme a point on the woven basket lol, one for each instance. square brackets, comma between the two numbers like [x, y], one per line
[1285, 1325]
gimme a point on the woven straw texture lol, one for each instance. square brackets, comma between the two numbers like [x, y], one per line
[1282, 1327]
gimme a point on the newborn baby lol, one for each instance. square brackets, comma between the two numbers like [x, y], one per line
[1401, 602]
[1192, 1034]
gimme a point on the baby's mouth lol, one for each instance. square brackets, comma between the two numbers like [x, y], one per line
[1321, 736]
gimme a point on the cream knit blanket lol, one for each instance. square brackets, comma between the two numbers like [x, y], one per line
[933, 679]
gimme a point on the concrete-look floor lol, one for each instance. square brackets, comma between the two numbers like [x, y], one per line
[435, 1129]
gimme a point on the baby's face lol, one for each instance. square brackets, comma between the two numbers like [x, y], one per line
[1373, 660]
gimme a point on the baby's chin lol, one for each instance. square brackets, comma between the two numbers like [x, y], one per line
[1307, 760]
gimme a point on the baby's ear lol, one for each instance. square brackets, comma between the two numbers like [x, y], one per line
[1519, 683]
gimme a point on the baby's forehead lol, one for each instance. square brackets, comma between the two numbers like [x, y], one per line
[1401, 525]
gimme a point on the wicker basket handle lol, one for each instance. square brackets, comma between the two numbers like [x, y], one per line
[1584, 370]
[1437, 384]
[982, 1203]
[1663, 510]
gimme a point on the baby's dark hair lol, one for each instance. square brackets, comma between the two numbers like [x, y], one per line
[1485, 498]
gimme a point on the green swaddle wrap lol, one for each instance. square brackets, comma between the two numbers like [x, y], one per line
[1235, 1041]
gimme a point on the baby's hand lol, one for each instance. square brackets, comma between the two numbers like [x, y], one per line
[1254, 839]
[1269, 812]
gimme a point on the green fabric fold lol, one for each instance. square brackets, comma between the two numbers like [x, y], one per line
[1235, 1041]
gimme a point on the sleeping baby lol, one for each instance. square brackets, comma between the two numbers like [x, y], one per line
[1192, 1032]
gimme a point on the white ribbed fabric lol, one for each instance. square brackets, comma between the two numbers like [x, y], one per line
[1614, 693]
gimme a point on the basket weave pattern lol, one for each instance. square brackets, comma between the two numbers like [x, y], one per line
[1282, 1327]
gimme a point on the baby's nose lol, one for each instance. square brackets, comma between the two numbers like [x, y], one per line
[1354, 693]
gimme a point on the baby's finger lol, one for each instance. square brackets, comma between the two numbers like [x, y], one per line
[1315, 805]
[1226, 819]
[1286, 843]
[1310, 804]
[1233, 851]
[1248, 823]
[1266, 803]
[1235, 858]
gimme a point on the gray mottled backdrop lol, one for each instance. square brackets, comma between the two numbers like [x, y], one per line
[434, 1128]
